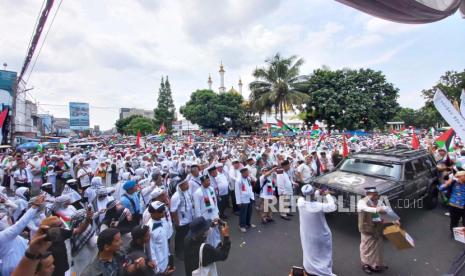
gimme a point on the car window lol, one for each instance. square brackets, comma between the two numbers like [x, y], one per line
[427, 162]
[409, 172]
[419, 166]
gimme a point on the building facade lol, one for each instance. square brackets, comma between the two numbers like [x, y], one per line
[26, 118]
[184, 127]
[126, 112]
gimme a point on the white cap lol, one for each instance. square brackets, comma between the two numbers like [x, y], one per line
[307, 190]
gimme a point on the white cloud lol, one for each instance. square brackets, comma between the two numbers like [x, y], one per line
[381, 26]
[358, 41]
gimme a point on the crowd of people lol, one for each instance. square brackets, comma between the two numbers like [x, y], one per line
[114, 209]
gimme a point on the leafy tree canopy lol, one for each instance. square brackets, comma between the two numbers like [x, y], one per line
[352, 99]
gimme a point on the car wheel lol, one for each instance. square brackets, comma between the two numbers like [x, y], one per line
[431, 199]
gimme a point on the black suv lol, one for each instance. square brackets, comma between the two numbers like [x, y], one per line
[407, 177]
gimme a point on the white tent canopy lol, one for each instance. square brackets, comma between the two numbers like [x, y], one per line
[408, 11]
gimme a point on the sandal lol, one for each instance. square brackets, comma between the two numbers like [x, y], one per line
[380, 268]
[367, 269]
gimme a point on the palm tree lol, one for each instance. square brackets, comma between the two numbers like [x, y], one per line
[278, 86]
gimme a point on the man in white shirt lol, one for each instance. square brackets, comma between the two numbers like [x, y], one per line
[21, 176]
[182, 212]
[206, 205]
[244, 199]
[304, 171]
[285, 189]
[223, 190]
[234, 175]
[84, 174]
[194, 178]
[314, 231]
[159, 249]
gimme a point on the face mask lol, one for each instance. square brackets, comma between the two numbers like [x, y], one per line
[27, 195]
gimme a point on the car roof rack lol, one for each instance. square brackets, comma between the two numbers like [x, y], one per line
[402, 153]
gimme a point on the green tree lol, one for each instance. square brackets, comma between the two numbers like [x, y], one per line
[451, 83]
[352, 99]
[216, 112]
[427, 117]
[165, 113]
[142, 124]
[278, 85]
[123, 123]
[406, 115]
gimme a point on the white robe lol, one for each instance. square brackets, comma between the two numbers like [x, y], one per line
[212, 212]
[12, 245]
[316, 236]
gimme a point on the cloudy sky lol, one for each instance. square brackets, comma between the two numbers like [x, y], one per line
[112, 54]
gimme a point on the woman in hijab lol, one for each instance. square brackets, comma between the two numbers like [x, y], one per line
[119, 186]
[21, 200]
[91, 192]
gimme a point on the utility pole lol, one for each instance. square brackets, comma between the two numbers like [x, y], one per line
[30, 53]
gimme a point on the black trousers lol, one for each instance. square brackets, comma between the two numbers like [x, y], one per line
[181, 233]
[455, 215]
[223, 204]
[233, 201]
[245, 214]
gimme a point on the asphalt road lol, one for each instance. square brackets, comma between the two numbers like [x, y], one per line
[273, 249]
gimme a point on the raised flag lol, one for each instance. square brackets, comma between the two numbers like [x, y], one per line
[283, 126]
[415, 141]
[43, 165]
[138, 138]
[3, 116]
[162, 130]
[446, 140]
[345, 149]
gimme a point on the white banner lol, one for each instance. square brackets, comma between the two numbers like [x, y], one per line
[449, 113]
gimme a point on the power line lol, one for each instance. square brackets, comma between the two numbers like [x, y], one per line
[35, 39]
[34, 29]
[43, 41]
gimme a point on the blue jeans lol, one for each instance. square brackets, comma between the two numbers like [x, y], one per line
[245, 214]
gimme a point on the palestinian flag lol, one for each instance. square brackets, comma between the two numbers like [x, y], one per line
[43, 166]
[283, 126]
[316, 133]
[446, 140]
[65, 220]
[322, 138]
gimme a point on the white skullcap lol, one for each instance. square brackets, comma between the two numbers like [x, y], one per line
[156, 192]
[307, 190]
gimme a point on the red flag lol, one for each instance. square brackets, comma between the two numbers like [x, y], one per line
[3, 116]
[138, 138]
[415, 141]
[345, 149]
[162, 129]
[315, 127]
